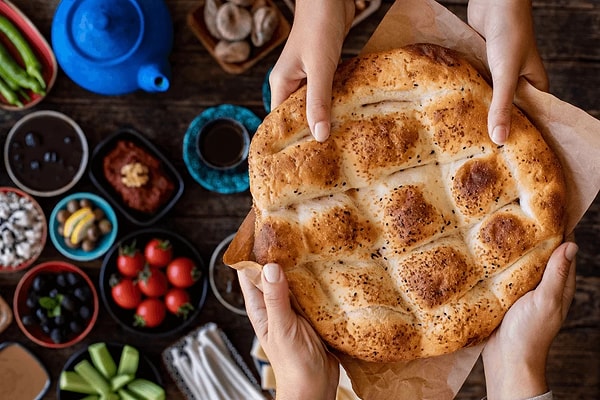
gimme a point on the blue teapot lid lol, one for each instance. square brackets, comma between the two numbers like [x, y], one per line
[105, 30]
[114, 47]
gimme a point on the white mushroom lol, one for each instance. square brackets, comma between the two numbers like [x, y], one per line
[233, 23]
[232, 52]
[211, 7]
[264, 24]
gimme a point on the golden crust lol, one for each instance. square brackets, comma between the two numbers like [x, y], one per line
[408, 233]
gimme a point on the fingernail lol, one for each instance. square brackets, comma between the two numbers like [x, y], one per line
[271, 272]
[499, 134]
[571, 251]
[321, 131]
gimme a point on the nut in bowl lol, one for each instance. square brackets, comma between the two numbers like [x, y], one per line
[83, 226]
[23, 230]
[153, 282]
[55, 304]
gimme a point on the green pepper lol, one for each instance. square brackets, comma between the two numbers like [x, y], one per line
[9, 94]
[32, 65]
[14, 71]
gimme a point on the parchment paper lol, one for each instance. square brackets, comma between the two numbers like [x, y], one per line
[573, 134]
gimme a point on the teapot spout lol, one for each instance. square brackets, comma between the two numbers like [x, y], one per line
[154, 77]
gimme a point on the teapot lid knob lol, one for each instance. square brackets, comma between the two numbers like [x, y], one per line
[105, 30]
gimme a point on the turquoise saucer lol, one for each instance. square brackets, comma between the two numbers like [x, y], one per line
[228, 181]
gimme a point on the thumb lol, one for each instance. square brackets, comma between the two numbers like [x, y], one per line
[505, 84]
[318, 101]
[277, 300]
[558, 281]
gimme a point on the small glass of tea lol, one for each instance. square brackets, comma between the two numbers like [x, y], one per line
[223, 143]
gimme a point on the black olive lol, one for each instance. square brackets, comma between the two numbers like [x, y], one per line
[41, 315]
[75, 327]
[73, 278]
[39, 283]
[32, 300]
[61, 280]
[46, 328]
[59, 320]
[28, 320]
[56, 335]
[83, 293]
[34, 165]
[85, 313]
[32, 139]
[53, 293]
[68, 303]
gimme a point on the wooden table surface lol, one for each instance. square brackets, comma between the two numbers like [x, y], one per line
[567, 34]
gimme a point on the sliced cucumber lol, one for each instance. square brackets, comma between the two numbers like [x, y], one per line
[130, 358]
[126, 394]
[118, 381]
[146, 389]
[73, 382]
[87, 371]
[102, 359]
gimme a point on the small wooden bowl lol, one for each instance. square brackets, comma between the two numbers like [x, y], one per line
[195, 20]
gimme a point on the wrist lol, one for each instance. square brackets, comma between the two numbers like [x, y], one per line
[514, 380]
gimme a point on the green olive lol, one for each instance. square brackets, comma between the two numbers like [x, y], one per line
[98, 214]
[85, 203]
[93, 233]
[105, 226]
[72, 206]
[62, 216]
[88, 245]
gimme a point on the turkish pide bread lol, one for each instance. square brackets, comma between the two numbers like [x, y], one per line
[408, 233]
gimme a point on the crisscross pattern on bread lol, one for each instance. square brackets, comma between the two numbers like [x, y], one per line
[408, 233]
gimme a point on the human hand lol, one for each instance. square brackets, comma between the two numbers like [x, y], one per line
[514, 358]
[507, 27]
[303, 367]
[312, 52]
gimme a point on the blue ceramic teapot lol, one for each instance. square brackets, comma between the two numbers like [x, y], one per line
[113, 47]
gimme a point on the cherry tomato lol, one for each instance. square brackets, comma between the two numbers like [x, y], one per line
[177, 301]
[125, 293]
[130, 260]
[153, 282]
[150, 313]
[182, 272]
[158, 253]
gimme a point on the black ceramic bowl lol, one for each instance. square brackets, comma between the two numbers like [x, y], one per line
[146, 368]
[99, 179]
[46, 153]
[172, 324]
